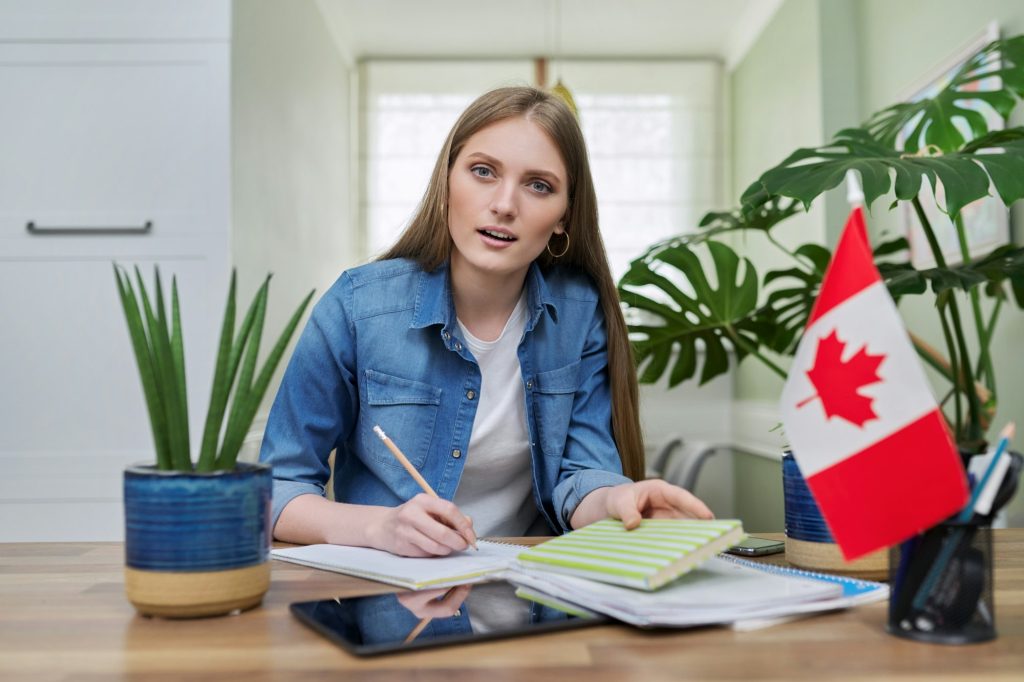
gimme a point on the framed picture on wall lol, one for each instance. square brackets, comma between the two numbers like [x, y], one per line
[987, 220]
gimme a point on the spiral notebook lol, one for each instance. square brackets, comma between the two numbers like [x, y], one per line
[409, 572]
[645, 558]
[722, 590]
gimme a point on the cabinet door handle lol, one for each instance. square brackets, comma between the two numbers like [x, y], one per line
[44, 230]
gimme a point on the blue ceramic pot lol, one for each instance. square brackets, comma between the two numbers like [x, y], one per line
[197, 544]
[809, 542]
[803, 518]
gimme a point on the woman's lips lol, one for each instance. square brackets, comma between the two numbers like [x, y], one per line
[496, 237]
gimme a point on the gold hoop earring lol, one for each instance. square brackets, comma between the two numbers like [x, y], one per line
[564, 251]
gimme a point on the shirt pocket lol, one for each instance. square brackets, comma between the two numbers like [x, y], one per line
[405, 409]
[553, 395]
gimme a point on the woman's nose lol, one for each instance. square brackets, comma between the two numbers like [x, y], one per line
[503, 201]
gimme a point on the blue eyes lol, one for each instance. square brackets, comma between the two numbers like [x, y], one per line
[536, 185]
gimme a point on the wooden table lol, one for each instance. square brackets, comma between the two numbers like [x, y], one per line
[63, 616]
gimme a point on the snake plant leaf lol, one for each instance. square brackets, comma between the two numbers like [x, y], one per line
[234, 438]
[178, 356]
[237, 425]
[710, 317]
[964, 176]
[160, 348]
[144, 361]
[231, 354]
[221, 385]
[994, 77]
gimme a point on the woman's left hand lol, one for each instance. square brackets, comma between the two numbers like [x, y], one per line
[631, 502]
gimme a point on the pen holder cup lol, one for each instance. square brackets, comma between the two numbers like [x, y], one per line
[941, 585]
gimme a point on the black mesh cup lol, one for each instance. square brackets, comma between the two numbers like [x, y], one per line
[941, 585]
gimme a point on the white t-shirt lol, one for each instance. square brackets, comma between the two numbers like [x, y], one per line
[496, 488]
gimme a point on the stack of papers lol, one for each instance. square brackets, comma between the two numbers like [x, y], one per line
[665, 573]
[722, 590]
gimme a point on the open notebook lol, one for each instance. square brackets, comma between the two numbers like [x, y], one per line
[646, 557]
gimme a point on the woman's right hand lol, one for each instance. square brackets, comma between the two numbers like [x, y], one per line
[422, 527]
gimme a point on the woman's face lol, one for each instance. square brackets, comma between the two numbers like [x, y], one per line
[507, 194]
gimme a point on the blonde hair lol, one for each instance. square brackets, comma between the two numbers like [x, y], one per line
[428, 242]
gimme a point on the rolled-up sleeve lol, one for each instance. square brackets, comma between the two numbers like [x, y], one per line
[590, 459]
[317, 403]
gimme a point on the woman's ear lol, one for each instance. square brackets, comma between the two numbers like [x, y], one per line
[560, 227]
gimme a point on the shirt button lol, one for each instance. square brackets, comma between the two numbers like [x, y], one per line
[470, 394]
[529, 384]
[458, 346]
[456, 453]
[446, 335]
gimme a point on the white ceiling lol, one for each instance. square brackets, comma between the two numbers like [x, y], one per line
[721, 29]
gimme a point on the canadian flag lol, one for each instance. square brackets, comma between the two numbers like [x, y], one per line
[859, 414]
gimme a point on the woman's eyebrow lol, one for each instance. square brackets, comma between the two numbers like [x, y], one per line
[498, 164]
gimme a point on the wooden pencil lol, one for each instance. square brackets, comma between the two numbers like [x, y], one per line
[407, 465]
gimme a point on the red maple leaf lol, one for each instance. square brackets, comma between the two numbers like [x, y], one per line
[839, 382]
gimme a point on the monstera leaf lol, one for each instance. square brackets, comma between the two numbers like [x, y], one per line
[964, 175]
[708, 316]
[761, 216]
[789, 304]
[793, 291]
[935, 119]
[1005, 263]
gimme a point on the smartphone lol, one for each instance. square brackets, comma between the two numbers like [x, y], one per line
[757, 547]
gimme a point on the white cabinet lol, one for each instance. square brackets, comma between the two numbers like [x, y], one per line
[114, 126]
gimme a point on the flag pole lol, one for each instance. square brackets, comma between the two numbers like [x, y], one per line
[854, 193]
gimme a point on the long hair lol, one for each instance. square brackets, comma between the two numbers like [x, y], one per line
[427, 239]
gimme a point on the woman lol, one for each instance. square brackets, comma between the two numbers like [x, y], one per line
[489, 344]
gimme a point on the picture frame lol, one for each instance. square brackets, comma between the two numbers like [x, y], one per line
[987, 220]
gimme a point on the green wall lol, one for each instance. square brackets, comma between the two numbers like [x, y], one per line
[821, 65]
[775, 95]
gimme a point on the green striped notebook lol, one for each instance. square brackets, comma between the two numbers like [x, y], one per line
[657, 552]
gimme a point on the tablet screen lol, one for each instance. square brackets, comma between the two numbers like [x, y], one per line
[415, 620]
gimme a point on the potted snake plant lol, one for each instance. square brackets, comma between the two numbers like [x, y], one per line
[197, 535]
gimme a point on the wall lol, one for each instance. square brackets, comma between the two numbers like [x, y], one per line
[819, 66]
[776, 107]
[290, 159]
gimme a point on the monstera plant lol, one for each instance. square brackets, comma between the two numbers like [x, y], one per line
[694, 292]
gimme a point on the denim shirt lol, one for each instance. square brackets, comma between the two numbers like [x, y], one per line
[383, 346]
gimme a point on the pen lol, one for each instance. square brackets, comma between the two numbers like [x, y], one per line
[994, 464]
[407, 465]
[952, 542]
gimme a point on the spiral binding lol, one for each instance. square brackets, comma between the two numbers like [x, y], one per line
[505, 542]
[856, 585]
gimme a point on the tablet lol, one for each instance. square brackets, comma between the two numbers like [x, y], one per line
[407, 621]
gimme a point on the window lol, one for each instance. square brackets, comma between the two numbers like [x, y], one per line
[652, 130]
